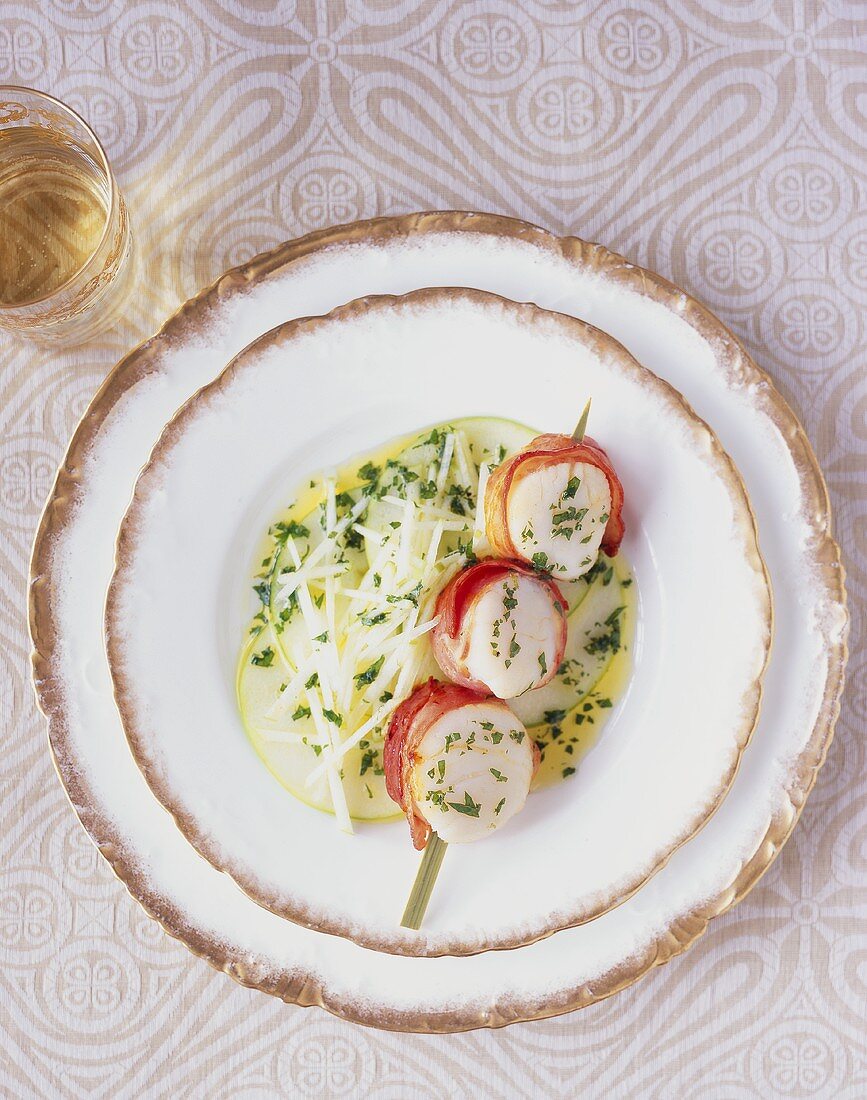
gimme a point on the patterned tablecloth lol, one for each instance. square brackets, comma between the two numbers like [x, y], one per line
[721, 144]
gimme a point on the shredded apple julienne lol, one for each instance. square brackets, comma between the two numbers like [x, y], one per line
[347, 591]
[348, 586]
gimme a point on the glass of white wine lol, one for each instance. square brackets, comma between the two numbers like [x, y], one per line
[65, 243]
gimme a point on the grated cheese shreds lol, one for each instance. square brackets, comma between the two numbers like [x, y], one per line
[375, 720]
[408, 636]
[465, 463]
[358, 593]
[368, 533]
[481, 545]
[335, 783]
[445, 463]
[406, 536]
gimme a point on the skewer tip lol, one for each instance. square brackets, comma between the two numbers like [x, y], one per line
[581, 426]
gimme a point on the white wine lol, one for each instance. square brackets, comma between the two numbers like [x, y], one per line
[54, 206]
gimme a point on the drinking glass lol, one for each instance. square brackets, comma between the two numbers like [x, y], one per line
[65, 243]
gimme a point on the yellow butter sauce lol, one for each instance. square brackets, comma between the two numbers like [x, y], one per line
[565, 743]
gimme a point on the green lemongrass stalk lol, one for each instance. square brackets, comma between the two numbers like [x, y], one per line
[423, 886]
[581, 426]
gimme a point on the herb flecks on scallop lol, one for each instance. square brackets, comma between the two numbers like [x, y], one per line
[501, 628]
[555, 504]
[452, 755]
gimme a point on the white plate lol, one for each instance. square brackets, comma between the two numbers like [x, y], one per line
[74, 559]
[307, 397]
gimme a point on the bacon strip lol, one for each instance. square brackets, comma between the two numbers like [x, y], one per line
[538, 453]
[450, 647]
[409, 723]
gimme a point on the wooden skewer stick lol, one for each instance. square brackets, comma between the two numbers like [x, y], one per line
[581, 426]
[423, 886]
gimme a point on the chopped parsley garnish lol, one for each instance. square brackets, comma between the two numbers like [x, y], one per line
[264, 659]
[368, 758]
[567, 772]
[374, 620]
[427, 489]
[499, 806]
[411, 596]
[468, 807]
[369, 674]
[460, 499]
[567, 522]
[323, 637]
[353, 540]
[263, 591]
[466, 549]
[333, 717]
[596, 569]
[368, 473]
[543, 664]
[282, 532]
[301, 712]
[572, 487]
[610, 641]
[498, 775]
[313, 681]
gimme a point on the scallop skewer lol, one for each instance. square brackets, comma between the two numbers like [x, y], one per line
[501, 628]
[555, 503]
[460, 765]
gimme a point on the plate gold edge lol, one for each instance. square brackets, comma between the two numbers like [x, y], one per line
[609, 351]
[301, 988]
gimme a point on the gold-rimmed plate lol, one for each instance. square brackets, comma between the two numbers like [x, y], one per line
[669, 333]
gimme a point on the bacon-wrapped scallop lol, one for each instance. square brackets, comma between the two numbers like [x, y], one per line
[458, 762]
[501, 628]
[555, 504]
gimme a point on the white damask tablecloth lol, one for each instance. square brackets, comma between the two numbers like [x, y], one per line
[722, 144]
